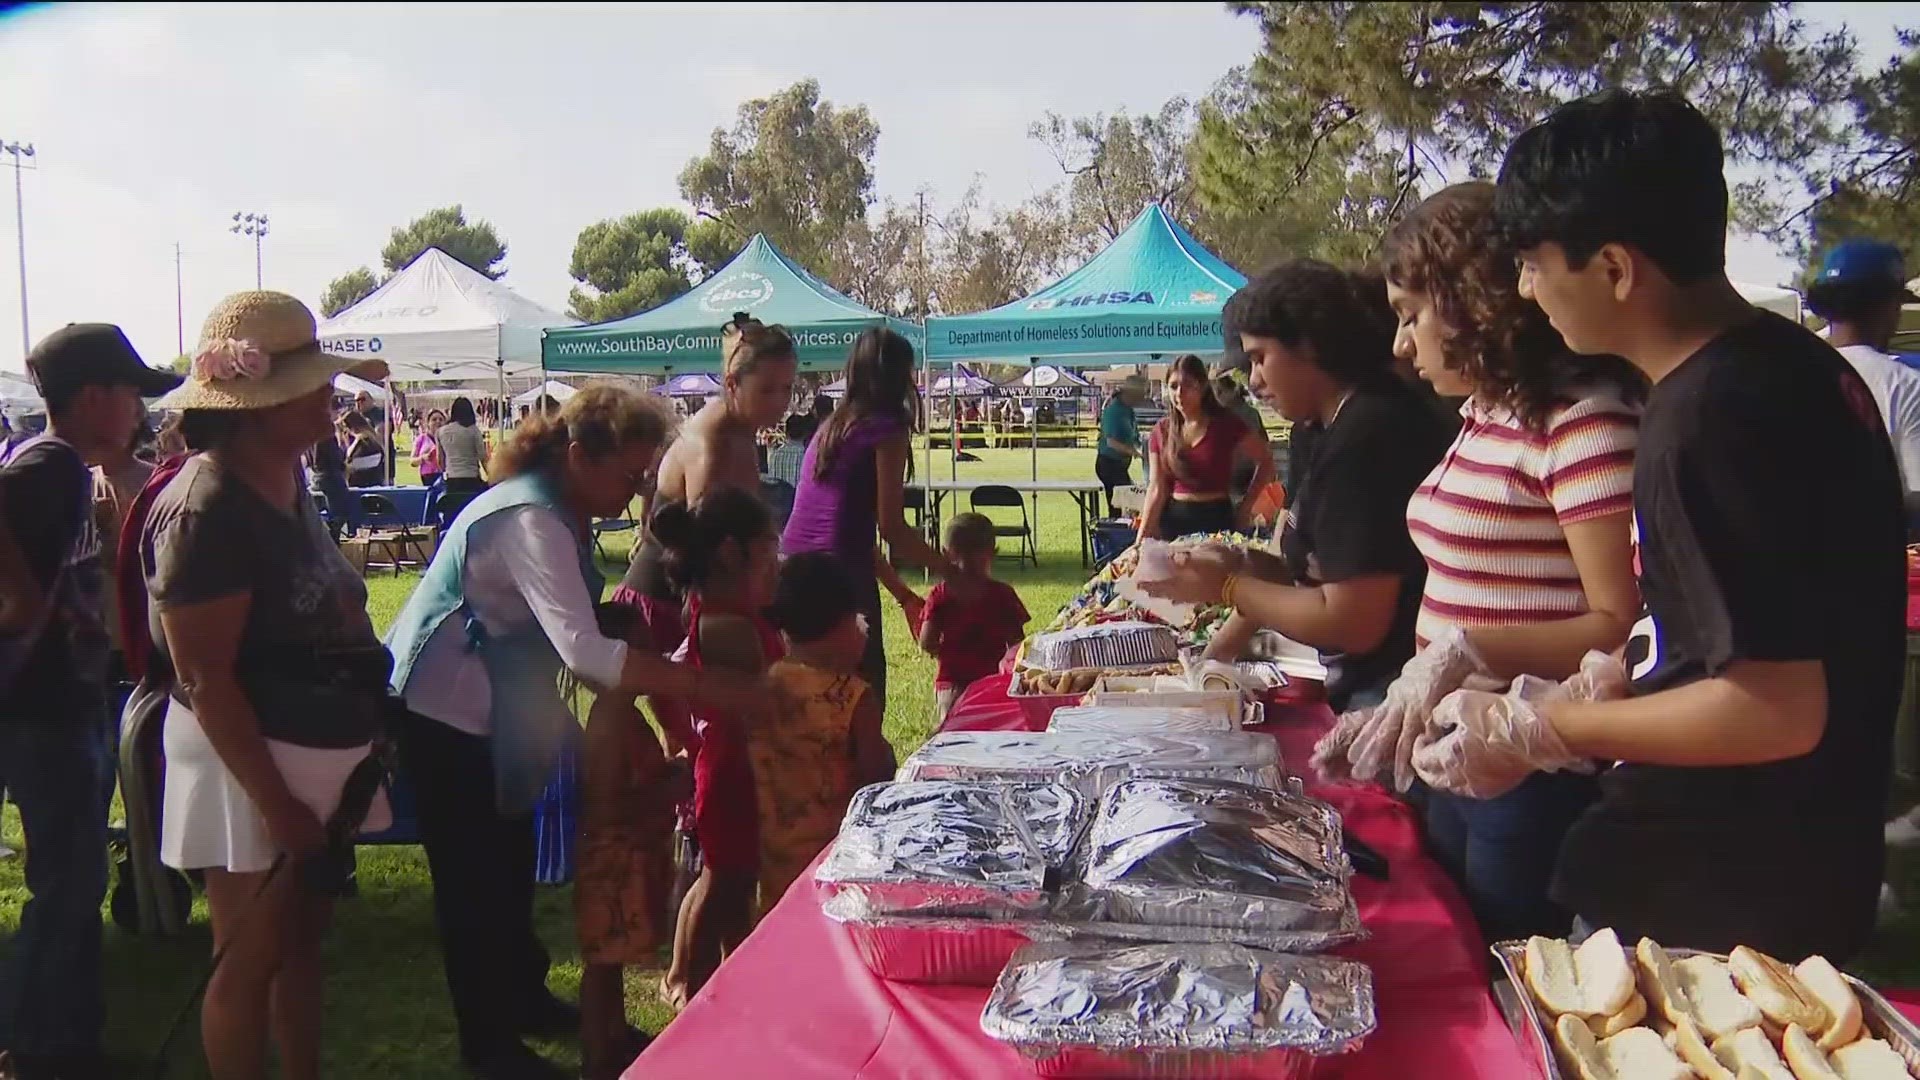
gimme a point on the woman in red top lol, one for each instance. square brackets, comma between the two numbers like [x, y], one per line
[1193, 452]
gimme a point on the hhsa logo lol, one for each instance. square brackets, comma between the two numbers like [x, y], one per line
[1090, 299]
[735, 292]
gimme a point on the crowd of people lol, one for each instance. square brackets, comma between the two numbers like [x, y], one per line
[1533, 525]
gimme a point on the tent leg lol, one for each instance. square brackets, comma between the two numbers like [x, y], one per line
[953, 407]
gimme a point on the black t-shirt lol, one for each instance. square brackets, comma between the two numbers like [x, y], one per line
[1347, 515]
[47, 490]
[1768, 527]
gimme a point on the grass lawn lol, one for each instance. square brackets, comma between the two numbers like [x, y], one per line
[387, 1010]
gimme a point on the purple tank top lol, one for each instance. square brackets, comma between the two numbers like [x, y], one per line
[837, 513]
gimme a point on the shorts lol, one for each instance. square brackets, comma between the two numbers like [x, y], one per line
[620, 890]
[726, 809]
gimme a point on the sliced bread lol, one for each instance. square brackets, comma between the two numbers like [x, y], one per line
[1824, 981]
[1869, 1059]
[1718, 1006]
[1804, 1056]
[1773, 986]
[1748, 1048]
[1631, 1016]
[1593, 980]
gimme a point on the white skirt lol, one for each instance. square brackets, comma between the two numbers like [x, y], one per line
[208, 820]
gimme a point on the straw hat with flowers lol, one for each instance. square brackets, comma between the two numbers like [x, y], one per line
[258, 350]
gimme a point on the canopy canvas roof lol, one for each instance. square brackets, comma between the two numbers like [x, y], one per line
[440, 319]
[694, 384]
[1047, 381]
[683, 334]
[558, 391]
[1154, 290]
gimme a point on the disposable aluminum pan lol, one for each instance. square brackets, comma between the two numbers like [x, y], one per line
[1214, 1011]
[1532, 1026]
[951, 847]
[1094, 761]
[905, 948]
[1186, 853]
[1111, 718]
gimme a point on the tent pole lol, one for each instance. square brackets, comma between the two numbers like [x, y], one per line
[953, 407]
[1033, 429]
[386, 426]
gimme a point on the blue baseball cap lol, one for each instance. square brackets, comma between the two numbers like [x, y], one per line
[1866, 264]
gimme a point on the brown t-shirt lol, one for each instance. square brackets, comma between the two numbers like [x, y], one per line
[210, 536]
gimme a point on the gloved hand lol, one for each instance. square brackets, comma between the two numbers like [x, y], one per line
[1483, 745]
[1384, 739]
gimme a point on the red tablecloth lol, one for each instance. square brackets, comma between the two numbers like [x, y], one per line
[795, 1001]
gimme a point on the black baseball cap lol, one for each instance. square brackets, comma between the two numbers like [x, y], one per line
[93, 354]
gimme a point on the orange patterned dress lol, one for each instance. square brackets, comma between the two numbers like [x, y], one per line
[625, 856]
[803, 769]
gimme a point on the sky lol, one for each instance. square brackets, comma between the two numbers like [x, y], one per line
[154, 124]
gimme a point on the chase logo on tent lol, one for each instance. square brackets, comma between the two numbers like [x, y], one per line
[350, 346]
[1087, 299]
[737, 292]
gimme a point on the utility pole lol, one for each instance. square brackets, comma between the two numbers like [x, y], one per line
[250, 223]
[179, 306]
[21, 153]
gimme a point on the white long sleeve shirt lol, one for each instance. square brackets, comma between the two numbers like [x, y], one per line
[522, 567]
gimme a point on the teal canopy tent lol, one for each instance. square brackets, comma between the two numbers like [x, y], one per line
[683, 335]
[1153, 291]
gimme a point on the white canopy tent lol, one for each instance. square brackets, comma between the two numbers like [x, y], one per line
[18, 395]
[558, 391]
[353, 385]
[439, 319]
[1780, 301]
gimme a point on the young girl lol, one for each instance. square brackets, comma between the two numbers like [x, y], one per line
[625, 862]
[823, 740]
[971, 620]
[722, 554]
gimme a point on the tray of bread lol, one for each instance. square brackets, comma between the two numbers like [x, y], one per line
[1603, 1011]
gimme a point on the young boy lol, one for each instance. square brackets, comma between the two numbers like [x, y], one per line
[625, 859]
[970, 620]
[822, 740]
[1750, 769]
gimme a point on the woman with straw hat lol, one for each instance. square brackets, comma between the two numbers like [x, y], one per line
[248, 588]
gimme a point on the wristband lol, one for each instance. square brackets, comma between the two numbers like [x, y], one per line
[1227, 588]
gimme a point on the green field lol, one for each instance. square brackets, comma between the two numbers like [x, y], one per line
[387, 1011]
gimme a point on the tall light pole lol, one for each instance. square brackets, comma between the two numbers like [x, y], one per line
[21, 153]
[248, 223]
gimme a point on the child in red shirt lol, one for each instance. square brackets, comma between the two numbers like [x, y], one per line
[971, 620]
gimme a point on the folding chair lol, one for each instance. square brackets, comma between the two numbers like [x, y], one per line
[914, 501]
[399, 542]
[612, 525]
[1000, 495]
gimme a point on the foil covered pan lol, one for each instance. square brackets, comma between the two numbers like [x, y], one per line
[951, 847]
[1095, 761]
[905, 948]
[1174, 852]
[1204, 1010]
[1532, 1026]
[1111, 718]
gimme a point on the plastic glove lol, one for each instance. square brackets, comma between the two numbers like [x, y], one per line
[1601, 677]
[1329, 758]
[1483, 745]
[1385, 740]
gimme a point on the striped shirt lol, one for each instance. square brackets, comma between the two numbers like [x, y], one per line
[1491, 518]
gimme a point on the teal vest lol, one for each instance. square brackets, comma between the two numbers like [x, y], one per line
[528, 715]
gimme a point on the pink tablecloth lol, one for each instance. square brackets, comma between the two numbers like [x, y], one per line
[795, 1002]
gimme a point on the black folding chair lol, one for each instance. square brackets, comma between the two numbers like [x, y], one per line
[399, 540]
[914, 501]
[612, 525]
[1000, 495]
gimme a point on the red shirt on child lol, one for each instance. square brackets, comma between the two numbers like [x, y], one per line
[975, 632]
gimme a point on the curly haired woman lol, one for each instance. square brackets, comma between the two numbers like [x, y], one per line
[1525, 528]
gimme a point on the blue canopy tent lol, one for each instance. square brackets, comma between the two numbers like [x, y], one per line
[1153, 291]
[683, 335]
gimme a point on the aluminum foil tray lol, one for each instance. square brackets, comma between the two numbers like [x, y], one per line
[1110, 718]
[1172, 852]
[951, 847]
[904, 948]
[1531, 1026]
[1203, 1010]
[1095, 761]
